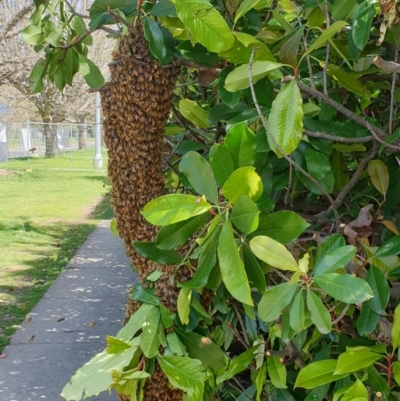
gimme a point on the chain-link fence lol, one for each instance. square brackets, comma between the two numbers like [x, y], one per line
[66, 146]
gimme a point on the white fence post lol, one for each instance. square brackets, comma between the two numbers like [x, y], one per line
[98, 159]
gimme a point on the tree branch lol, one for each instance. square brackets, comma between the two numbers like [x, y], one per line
[340, 139]
[389, 66]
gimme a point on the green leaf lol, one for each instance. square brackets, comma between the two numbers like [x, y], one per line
[273, 253]
[200, 176]
[164, 8]
[361, 26]
[319, 166]
[379, 174]
[326, 35]
[275, 300]
[246, 6]
[99, 11]
[367, 320]
[95, 376]
[396, 371]
[286, 119]
[389, 248]
[345, 287]
[232, 267]
[380, 288]
[241, 143]
[37, 75]
[276, 371]
[115, 345]
[170, 209]
[254, 272]
[144, 295]
[155, 38]
[33, 35]
[377, 382]
[288, 51]
[245, 214]
[319, 314]
[342, 8]
[356, 390]
[177, 234]
[333, 259]
[238, 79]
[348, 81]
[207, 351]
[167, 317]
[175, 344]
[184, 373]
[135, 322]
[150, 251]
[317, 374]
[395, 333]
[283, 226]
[90, 72]
[296, 313]
[229, 98]
[194, 113]
[205, 23]
[184, 300]
[221, 163]
[243, 181]
[150, 340]
[155, 276]
[355, 360]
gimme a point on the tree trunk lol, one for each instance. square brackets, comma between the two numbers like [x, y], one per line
[50, 137]
[82, 134]
[136, 103]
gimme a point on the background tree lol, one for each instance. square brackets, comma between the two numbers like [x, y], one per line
[274, 273]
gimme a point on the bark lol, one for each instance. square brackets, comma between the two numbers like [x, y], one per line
[82, 134]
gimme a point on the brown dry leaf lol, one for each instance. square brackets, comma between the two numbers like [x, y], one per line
[28, 319]
[206, 77]
[391, 226]
[61, 319]
[364, 241]
[31, 339]
[364, 232]
[351, 235]
[385, 329]
[364, 218]
[92, 324]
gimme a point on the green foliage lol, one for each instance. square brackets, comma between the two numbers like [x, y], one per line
[281, 189]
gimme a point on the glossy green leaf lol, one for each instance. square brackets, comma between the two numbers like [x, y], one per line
[208, 352]
[155, 38]
[205, 23]
[318, 313]
[348, 81]
[232, 267]
[368, 319]
[389, 248]
[342, 8]
[288, 51]
[273, 253]
[221, 163]
[253, 269]
[246, 6]
[164, 8]
[149, 340]
[377, 381]
[90, 72]
[170, 209]
[184, 300]
[229, 98]
[245, 214]
[238, 79]
[243, 181]
[395, 333]
[115, 345]
[317, 374]
[184, 373]
[345, 287]
[380, 288]
[355, 360]
[99, 11]
[319, 166]
[241, 143]
[33, 35]
[396, 371]
[175, 344]
[296, 313]
[276, 371]
[194, 113]
[177, 234]
[362, 23]
[357, 390]
[283, 226]
[286, 119]
[200, 176]
[275, 300]
[135, 322]
[167, 317]
[326, 35]
[150, 251]
[379, 174]
[333, 259]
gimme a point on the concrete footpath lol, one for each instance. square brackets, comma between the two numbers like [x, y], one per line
[68, 326]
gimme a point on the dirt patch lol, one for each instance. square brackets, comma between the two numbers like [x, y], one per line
[7, 173]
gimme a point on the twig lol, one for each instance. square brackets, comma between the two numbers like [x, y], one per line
[289, 187]
[73, 11]
[340, 139]
[388, 145]
[179, 117]
[237, 335]
[76, 40]
[291, 161]
[341, 316]
[121, 19]
[392, 91]
[239, 316]
[389, 66]
[110, 31]
[324, 75]
[200, 67]
[278, 273]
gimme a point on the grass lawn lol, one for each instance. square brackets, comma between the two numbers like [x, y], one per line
[45, 216]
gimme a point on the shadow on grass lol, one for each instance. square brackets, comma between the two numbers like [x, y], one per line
[53, 246]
